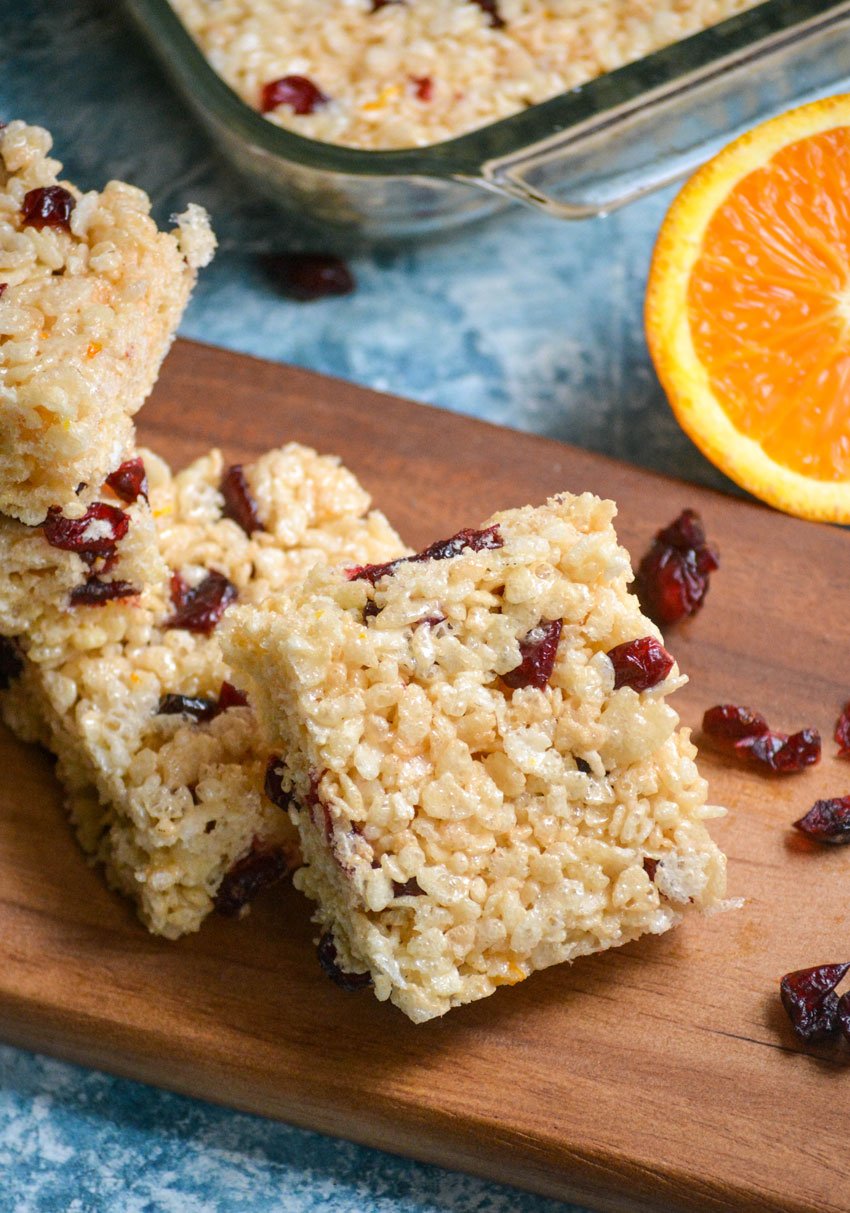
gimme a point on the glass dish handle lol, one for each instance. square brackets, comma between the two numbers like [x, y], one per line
[640, 146]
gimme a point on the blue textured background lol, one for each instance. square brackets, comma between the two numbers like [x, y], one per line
[521, 321]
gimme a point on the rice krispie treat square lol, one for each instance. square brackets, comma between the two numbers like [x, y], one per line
[476, 749]
[160, 755]
[90, 297]
[75, 583]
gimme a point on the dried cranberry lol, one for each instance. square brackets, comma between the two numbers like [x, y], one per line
[842, 732]
[178, 589]
[673, 578]
[729, 722]
[747, 733]
[326, 953]
[94, 592]
[95, 534]
[11, 662]
[300, 94]
[443, 549]
[3, 286]
[187, 705]
[273, 786]
[261, 867]
[48, 206]
[306, 277]
[843, 1015]
[410, 888]
[827, 821]
[230, 697]
[476, 541]
[640, 664]
[199, 608]
[378, 4]
[781, 753]
[650, 866]
[370, 610]
[810, 1002]
[239, 503]
[491, 8]
[129, 481]
[423, 87]
[537, 652]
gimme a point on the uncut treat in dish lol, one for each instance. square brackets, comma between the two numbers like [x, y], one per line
[90, 297]
[159, 753]
[407, 73]
[478, 755]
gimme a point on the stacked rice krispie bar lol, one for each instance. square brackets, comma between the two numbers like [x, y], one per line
[90, 297]
[158, 751]
[467, 750]
[475, 747]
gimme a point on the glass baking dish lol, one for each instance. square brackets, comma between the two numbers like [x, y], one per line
[583, 153]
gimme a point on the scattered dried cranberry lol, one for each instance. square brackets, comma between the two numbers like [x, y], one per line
[239, 503]
[95, 534]
[94, 592]
[810, 1001]
[326, 953]
[378, 4]
[11, 662]
[747, 733]
[650, 866]
[729, 722]
[443, 549]
[300, 94]
[827, 821]
[673, 578]
[781, 753]
[230, 697]
[48, 206]
[306, 277]
[129, 481]
[842, 732]
[640, 664]
[187, 705]
[537, 652]
[410, 888]
[273, 786]
[199, 608]
[423, 87]
[261, 867]
[3, 286]
[491, 8]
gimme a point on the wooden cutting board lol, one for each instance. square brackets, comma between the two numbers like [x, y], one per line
[661, 1076]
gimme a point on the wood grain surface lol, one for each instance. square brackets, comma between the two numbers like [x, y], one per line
[661, 1076]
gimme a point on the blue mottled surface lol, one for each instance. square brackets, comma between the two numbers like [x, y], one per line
[522, 321]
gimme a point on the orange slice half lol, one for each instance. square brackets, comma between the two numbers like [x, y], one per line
[748, 310]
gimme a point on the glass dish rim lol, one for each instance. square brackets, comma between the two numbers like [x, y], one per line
[463, 155]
